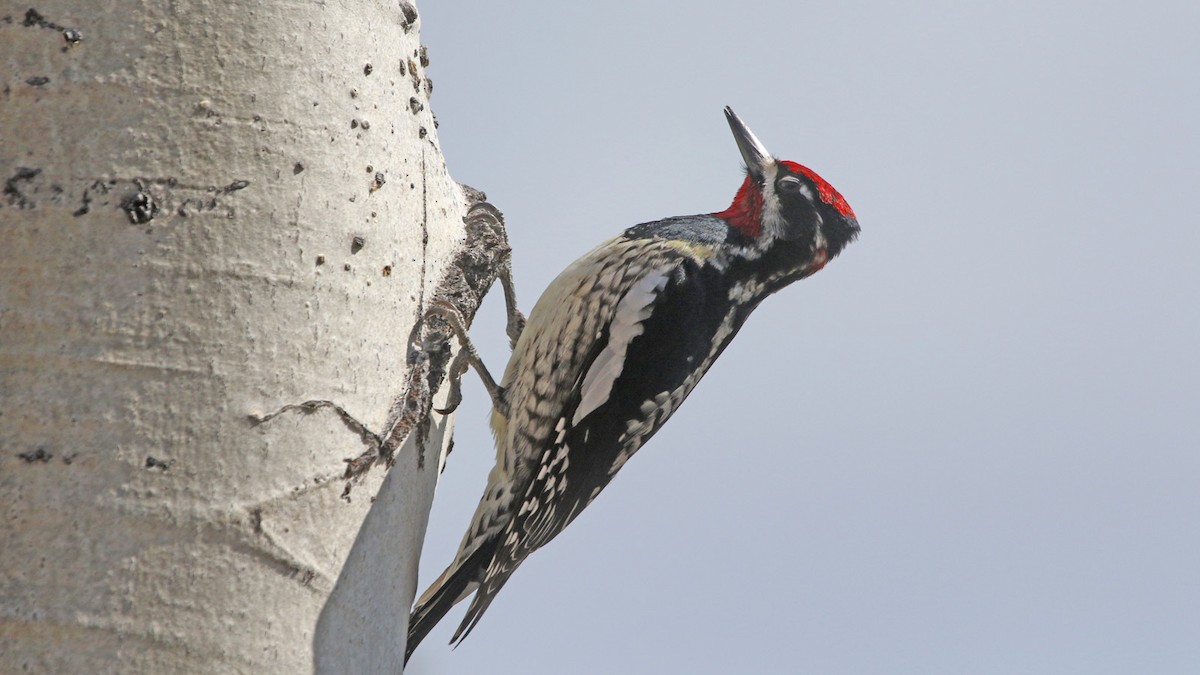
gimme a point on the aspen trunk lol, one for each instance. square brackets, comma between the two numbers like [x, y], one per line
[212, 210]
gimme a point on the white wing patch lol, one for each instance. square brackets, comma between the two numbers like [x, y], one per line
[632, 310]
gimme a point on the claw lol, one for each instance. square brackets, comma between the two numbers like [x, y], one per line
[467, 355]
[458, 368]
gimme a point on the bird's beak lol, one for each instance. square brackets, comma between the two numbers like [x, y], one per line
[753, 153]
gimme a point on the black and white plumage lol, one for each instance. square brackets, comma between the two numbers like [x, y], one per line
[615, 345]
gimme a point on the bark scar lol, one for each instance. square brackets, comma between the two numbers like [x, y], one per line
[484, 256]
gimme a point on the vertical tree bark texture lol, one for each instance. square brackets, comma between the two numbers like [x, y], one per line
[210, 210]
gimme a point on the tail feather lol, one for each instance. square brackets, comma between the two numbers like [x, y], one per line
[483, 598]
[456, 583]
[454, 586]
[479, 605]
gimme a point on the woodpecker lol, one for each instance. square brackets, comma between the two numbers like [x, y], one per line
[611, 350]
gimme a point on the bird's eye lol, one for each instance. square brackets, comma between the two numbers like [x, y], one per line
[789, 184]
[792, 185]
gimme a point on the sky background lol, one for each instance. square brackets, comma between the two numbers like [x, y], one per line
[969, 445]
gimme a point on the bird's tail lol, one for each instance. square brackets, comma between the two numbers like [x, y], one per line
[479, 605]
[457, 582]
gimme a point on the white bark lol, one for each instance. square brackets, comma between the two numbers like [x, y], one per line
[147, 526]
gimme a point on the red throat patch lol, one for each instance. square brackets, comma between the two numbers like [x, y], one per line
[745, 213]
[824, 190]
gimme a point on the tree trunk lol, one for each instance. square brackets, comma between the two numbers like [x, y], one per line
[212, 210]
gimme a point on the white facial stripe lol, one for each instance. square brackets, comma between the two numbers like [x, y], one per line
[772, 214]
[632, 310]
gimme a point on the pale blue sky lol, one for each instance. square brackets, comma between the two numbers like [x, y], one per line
[969, 445]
